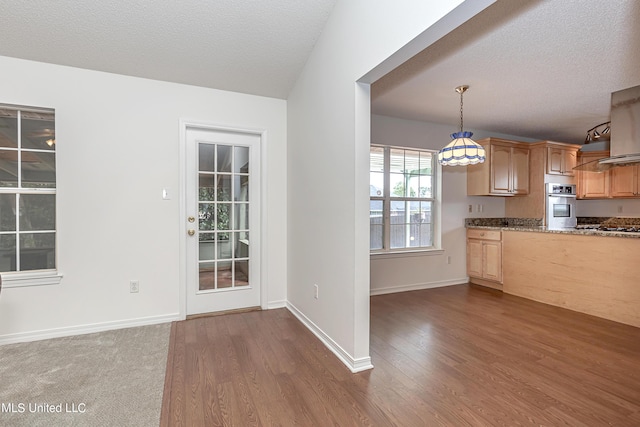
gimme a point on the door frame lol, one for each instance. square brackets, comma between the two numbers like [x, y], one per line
[204, 125]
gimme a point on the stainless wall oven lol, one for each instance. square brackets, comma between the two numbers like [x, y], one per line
[561, 206]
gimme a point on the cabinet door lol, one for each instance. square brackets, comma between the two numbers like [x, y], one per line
[570, 159]
[624, 181]
[593, 185]
[492, 260]
[474, 258]
[555, 158]
[520, 173]
[500, 169]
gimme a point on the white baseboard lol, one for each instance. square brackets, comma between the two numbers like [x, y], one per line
[355, 365]
[276, 304]
[86, 329]
[418, 286]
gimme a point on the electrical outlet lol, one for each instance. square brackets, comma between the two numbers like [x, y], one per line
[470, 208]
[316, 291]
[620, 209]
[134, 286]
[448, 260]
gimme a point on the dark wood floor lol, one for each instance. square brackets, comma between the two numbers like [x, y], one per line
[454, 356]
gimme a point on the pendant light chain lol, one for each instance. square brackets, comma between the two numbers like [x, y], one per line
[461, 89]
[462, 150]
[461, 92]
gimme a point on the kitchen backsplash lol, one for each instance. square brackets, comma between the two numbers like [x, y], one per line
[621, 222]
[584, 220]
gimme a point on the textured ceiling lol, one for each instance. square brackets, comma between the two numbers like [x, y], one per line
[541, 69]
[250, 46]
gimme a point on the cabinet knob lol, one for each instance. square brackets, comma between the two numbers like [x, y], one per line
[481, 234]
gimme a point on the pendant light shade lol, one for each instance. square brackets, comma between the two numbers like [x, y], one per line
[462, 150]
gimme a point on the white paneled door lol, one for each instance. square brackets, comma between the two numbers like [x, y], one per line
[222, 220]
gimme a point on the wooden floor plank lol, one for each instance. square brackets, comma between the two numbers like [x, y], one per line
[178, 403]
[168, 378]
[459, 355]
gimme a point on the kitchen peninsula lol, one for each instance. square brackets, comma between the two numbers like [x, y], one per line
[589, 271]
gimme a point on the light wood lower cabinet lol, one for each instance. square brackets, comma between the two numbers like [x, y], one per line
[484, 257]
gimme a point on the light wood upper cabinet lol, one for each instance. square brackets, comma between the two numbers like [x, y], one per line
[593, 185]
[625, 181]
[505, 171]
[500, 166]
[616, 183]
[554, 161]
[561, 161]
[542, 156]
[520, 168]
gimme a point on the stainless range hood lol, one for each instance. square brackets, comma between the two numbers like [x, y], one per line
[625, 132]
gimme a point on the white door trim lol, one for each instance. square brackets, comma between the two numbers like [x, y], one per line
[199, 124]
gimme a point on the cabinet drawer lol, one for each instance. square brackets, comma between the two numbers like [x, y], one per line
[475, 233]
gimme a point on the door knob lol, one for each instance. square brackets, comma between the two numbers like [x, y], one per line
[191, 232]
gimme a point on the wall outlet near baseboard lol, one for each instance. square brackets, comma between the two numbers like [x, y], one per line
[448, 259]
[315, 288]
[134, 286]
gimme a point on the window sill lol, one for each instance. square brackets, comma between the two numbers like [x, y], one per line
[24, 279]
[406, 253]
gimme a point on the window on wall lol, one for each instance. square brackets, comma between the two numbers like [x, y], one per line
[27, 191]
[403, 199]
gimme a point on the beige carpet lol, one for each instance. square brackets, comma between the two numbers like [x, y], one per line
[112, 378]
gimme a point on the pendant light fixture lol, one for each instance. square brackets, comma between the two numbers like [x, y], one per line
[462, 150]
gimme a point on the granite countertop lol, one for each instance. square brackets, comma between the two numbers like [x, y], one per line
[534, 225]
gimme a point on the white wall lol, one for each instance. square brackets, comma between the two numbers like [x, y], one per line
[117, 147]
[328, 151]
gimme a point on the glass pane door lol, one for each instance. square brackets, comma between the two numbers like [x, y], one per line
[223, 216]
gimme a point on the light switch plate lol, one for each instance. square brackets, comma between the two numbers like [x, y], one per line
[166, 193]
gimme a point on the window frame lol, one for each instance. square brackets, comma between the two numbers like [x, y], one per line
[436, 177]
[45, 276]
